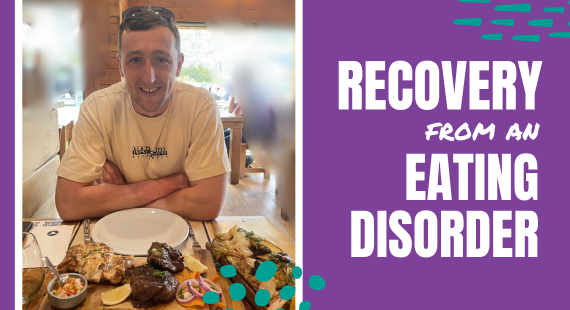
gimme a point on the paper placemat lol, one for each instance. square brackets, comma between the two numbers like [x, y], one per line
[53, 241]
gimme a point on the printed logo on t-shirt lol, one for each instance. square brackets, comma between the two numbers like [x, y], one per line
[146, 152]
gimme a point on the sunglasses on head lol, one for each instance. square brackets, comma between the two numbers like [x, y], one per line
[132, 12]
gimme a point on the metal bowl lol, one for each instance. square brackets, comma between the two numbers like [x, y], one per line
[67, 302]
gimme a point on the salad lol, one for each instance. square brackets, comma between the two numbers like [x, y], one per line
[71, 287]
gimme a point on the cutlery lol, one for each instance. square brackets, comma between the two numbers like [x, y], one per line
[50, 266]
[87, 231]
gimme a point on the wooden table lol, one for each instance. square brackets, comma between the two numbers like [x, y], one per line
[235, 124]
[203, 232]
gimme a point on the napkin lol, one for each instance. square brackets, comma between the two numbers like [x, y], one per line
[53, 241]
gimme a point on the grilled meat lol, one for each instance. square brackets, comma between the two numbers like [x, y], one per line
[150, 286]
[97, 262]
[164, 257]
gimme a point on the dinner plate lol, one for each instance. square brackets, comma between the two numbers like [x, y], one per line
[132, 231]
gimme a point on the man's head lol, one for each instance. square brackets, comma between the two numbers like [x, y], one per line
[149, 57]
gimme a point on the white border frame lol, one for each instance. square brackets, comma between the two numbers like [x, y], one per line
[299, 146]
[18, 153]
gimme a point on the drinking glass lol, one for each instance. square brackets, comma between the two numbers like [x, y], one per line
[33, 271]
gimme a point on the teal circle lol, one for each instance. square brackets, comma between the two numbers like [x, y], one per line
[287, 292]
[297, 272]
[317, 282]
[262, 297]
[305, 305]
[228, 271]
[211, 298]
[237, 291]
[266, 271]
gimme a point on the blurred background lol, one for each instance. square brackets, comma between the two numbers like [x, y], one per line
[242, 51]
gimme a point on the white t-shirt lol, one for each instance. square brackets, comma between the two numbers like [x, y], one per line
[188, 137]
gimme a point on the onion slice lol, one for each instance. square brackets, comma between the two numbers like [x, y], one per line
[185, 300]
[206, 283]
[195, 292]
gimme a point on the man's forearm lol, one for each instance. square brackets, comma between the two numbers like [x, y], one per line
[202, 201]
[78, 202]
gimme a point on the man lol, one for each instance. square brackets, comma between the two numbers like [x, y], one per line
[149, 140]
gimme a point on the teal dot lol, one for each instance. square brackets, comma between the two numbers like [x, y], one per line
[237, 291]
[305, 305]
[211, 298]
[297, 272]
[287, 292]
[266, 271]
[262, 298]
[316, 282]
[228, 271]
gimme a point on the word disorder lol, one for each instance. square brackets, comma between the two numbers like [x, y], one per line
[496, 176]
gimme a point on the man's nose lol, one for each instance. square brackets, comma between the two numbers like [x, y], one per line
[149, 74]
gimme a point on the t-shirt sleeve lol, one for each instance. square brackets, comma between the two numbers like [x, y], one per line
[84, 159]
[207, 154]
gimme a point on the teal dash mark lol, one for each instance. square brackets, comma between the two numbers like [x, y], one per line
[523, 8]
[559, 34]
[531, 38]
[211, 298]
[228, 271]
[468, 21]
[305, 305]
[297, 272]
[475, 1]
[504, 22]
[237, 291]
[287, 292]
[262, 297]
[266, 271]
[558, 9]
[492, 36]
[317, 282]
[541, 22]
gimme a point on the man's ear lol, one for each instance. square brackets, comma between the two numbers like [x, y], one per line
[120, 66]
[180, 62]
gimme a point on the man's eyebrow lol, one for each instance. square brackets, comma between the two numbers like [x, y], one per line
[161, 52]
[132, 53]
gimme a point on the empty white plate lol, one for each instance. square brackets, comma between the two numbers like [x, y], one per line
[132, 231]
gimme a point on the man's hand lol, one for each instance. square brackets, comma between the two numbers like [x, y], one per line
[112, 174]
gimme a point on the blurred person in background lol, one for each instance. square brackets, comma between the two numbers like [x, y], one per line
[148, 140]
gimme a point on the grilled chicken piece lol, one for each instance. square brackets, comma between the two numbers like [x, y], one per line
[97, 262]
[164, 257]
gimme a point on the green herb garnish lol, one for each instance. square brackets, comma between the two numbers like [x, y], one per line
[160, 274]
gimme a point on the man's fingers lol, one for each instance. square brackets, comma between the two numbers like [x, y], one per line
[107, 177]
[100, 181]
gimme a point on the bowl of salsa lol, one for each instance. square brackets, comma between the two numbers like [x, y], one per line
[68, 294]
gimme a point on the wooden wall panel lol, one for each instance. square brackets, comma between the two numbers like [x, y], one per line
[168, 3]
[114, 8]
[114, 41]
[113, 28]
[110, 76]
[187, 15]
[113, 19]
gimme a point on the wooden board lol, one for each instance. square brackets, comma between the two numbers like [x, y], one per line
[94, 290]
[39, 187]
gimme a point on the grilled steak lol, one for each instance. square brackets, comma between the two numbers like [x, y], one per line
[150, 286]
[97, 262]
[164, 257]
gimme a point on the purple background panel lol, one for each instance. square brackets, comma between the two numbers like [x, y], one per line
[356, 160]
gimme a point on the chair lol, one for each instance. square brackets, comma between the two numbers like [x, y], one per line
[243, 170]
[65, 135]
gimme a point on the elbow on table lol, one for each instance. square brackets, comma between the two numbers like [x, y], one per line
[64, 207]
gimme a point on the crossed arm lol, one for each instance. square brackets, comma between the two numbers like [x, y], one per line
[197, 200]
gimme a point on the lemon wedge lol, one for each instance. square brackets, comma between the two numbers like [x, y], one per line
[194, 264]
[117, 295]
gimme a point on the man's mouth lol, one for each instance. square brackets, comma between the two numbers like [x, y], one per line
[149, 90]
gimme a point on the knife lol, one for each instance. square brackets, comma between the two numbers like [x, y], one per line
[87, 231]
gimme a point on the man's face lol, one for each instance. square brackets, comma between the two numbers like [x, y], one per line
[149, 63]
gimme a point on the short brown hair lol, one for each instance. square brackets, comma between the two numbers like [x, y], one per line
[146, 18]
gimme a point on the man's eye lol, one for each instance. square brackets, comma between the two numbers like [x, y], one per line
[162, 60]
[136, 59]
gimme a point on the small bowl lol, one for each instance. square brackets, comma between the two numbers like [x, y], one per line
[67, 302]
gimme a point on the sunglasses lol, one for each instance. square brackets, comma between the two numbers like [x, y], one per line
[130, 13]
